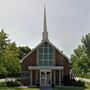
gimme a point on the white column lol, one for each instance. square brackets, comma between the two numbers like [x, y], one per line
[59, 77]
[54, 77]
[40, 77]
[31, 78]
[36, 76]
[51, 77]
[45, 77]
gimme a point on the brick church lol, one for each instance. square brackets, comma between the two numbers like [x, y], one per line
[45, 64]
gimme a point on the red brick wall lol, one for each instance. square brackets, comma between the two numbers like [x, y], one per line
[30, 60]
[58, 61]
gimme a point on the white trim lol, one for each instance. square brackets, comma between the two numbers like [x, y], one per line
[45, 72]
[31, 78]
[36, 76]
[45, 67]
[54, 77]
[59, 77]
[41, 44]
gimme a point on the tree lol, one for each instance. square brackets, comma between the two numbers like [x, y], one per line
[80, 57]
[11, 60]
[23, 51]
[9, 53]
[86, 42]
[3, 43]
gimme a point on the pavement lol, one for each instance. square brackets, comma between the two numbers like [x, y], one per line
[46, 88]
[83, 79]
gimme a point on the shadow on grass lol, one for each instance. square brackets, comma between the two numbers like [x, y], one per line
[71, 88]
[19, 88]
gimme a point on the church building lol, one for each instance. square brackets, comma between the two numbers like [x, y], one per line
[45, 64]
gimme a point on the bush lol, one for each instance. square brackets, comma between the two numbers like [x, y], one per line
[80, 83]
[72, 82]
[3, 84]
[13, 83]
[66, 81]
[18, 79]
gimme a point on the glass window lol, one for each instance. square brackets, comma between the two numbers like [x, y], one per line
[45, 44]
[50, 50]
[45, 55]
[40, 56]
[50, 56]
[40, 50]
[45, 50]
[40, 63]
[45, 63]
[50, 63]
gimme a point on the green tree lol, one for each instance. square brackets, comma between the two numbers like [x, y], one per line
[3, 43]
[86, 42]
[23, 51]
[9, 53]
[11, 59]
[80, 57]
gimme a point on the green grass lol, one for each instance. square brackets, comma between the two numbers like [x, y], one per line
[87, 87]
[19, 89]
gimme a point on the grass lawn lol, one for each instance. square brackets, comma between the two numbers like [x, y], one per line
[71, 88]
[19, 89]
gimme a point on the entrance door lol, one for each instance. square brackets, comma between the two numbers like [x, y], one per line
[42, 78]
[48, 81]
[45, 77]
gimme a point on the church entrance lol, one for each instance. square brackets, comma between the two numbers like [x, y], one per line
[45, 77]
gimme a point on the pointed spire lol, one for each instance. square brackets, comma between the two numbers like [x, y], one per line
[45, 21]
[45, 33]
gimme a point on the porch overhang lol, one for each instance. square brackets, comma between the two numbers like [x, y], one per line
[45, 67]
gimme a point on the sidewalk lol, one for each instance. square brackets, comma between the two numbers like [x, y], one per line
[83, 79]
[46, 88]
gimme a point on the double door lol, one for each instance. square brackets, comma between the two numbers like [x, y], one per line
[45, 77]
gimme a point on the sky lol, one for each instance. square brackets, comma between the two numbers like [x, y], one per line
[67, 22]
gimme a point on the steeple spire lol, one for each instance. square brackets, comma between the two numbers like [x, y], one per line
[45, 21]
[45, 33]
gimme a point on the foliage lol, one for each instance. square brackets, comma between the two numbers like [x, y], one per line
[84, 76]
[23, 51]
[67, 81]
[81, 56]
[33, 88]
[10, 84]
[9, 61]
[13, 83]
[3, 84]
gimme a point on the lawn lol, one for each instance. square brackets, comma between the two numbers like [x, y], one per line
[71, 88]
[19, 89]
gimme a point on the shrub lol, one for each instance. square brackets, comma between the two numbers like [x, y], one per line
[13, 83]
[18, 79]
[66, 81]
[72, 82]
[3, 84]
[80, 83]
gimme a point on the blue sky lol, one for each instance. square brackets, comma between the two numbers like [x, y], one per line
[67, 21]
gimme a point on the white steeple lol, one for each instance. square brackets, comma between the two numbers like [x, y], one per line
[45, 33]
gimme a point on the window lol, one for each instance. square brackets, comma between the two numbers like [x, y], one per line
[25, 74]
[45, 55]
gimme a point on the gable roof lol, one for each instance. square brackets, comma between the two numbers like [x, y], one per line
[40, 45]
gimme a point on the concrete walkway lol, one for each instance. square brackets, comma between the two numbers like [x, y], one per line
[46, 88]
[83, 79]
